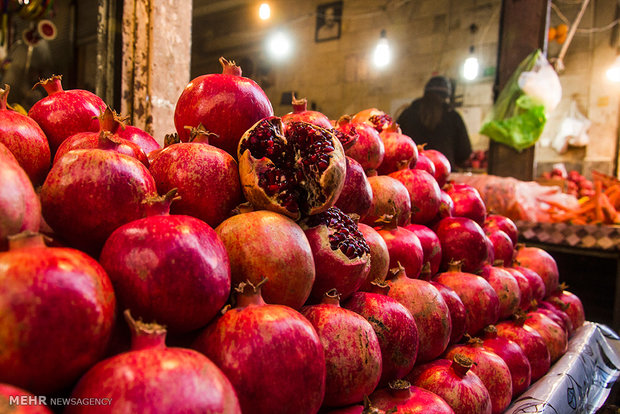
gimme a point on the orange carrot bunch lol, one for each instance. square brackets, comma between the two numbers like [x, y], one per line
[601, 208]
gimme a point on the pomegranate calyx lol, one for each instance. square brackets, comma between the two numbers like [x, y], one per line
[455, 265]
[392, 127]
[51, 85]
[26, 239]
[249, 294]
[160, 205]
[563, 286]
[421, 147]
[425, 273]
[200, 134]
[355, 217]
[229, 67]
[246, 207]
[344, 120]
[397, 272]
[559, 303]
[369, 408]
[171, 139]
[490, 331]
[461, 364]
[4, 94]
[145, 335]
[299, 105]
[380, 287]
[519, 317]
[400, 388]
[519, 246]
[331, 297]
[109, 120]
[387, 221]
[473, 341]
[498, 263]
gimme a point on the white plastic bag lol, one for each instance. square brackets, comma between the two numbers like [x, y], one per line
[542, 83]
[573, 130]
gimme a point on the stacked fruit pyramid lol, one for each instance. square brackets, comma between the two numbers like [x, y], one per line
[257, 264]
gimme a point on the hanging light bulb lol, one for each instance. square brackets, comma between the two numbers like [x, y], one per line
[264, 11]
[382, 54]
[471, 66]
[279, 45]
[613, 73]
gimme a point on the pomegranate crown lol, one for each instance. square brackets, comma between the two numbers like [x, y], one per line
[200, 134]
[229, 67]
[397, 271]
[249, 287]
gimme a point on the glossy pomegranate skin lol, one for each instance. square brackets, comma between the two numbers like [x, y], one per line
[478, 296]
[395, 328]
[266, 244]
[389, 196]
[467, 202]
[424, 193]
[400, 152]
[442, 166]
[506, 287]
[410, 400]
[404, 247]
[379, 257]
[352, 352]
[65, 113]
[368, 150]
[263, 347]
[43, 289]
[554, 335]
[513, 356]
[90, 193]
[527, 294]
[446, 206]
[356, 194]
[575, 308]
[142, 260]
[542, 263]
[93, 140]
[532, 344]
[423, 163]
[139, 137]
[431, 246]
[227, 104]
[458, 313]
[153, 378]
[536, 283]
[556, 315]
[302, 113]
[465, 393]
[25, 139]
[207, 179]
[462, 239]
[497, 221]
[20, 209]
[6, 406]
[502, 246]
[492, 371]
[430, 311]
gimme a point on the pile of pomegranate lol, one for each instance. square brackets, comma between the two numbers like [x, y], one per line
[293, 264]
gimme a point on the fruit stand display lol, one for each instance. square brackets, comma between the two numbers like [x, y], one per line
[267, 264]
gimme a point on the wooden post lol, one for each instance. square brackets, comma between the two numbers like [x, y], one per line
[155, 63]
[523, 29]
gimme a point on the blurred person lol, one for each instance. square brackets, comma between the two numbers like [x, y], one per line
[431, 120]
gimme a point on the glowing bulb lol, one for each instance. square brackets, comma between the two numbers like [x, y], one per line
[470, 68]
[613, 73]
[279, 45]
[382, 54]
[264, 11]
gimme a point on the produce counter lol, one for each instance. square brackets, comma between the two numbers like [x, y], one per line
[581, 380]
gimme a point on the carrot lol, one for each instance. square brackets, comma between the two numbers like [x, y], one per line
[598, 208]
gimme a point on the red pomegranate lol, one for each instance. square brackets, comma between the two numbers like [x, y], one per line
[301, 113]
[389, 197]
[206, 177]
[403, 398]
[403, 246]
[536, 283]
[462, 239]
[341, 254]
[368, 148]
[530, 341]
[226, 104]
[501, 245]
[379, 256]
[574, 308]
[356, 194]
[183, 294]
[57, 307]
[26, 402]
[458, 313]
[478, 296]
[467, 202]
[446, 206]
[263, 243]
[506, 287]
[490, 368]
[112, 123]
[374, 117]
[295, 169]
[453, 381]
[431, 246]
[542, 263]
[139, 137]
[25, 139]
[556, 315]
[395, 328]
[65, 113]
[261, 347]
[513, 356]
[352, 351]
[20, 209]
[442, 166]
[89, 193]
[556, 338]
[150, 370]
[430, 311]
[423, 191]
[497, 221]
[400, 151]
[423, 162]
[525, 287]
